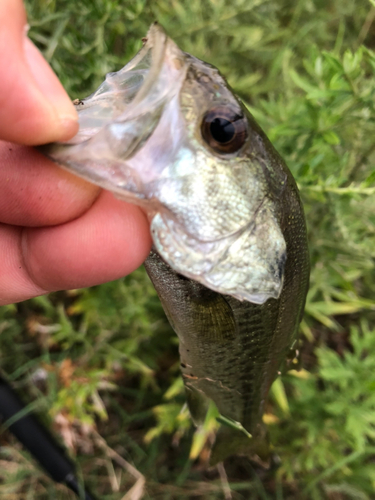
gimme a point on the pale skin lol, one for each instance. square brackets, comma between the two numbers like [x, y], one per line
[56, 231]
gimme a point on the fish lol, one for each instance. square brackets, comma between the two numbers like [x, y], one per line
[230, 258]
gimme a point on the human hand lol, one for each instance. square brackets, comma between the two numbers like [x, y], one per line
[56, 230]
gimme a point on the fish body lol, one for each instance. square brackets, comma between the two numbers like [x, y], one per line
[230, 260]
[231, 350]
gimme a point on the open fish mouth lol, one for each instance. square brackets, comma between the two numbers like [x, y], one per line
[116, 120]
[154, 133]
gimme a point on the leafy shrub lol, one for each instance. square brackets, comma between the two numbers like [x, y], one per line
[105, 361]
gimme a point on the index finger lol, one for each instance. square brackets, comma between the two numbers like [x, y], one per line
[34, 107]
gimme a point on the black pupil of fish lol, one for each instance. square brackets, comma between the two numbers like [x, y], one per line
[222, 130]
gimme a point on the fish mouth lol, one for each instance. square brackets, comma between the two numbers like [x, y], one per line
[136, 140]
[116, 120]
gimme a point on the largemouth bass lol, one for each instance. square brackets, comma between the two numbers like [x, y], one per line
[230, 260]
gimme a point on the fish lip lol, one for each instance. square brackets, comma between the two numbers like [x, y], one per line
[113, 129]
[156, 44]
[157, 40]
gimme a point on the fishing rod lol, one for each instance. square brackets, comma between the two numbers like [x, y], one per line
[38, 441]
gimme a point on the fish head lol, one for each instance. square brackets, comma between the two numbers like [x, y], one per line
[166, 132]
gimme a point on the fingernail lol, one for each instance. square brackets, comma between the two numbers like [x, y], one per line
[51, 89]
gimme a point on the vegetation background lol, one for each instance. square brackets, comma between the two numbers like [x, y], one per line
[101, 365]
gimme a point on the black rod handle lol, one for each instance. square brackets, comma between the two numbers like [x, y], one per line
[40, 443]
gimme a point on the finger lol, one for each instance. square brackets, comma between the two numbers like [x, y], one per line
[36, 192]
[15, 282]
[34, 107]
[107, 242]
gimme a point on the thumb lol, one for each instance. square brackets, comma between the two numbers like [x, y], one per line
[34, 107]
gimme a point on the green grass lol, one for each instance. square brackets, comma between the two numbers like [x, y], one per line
[104, 361]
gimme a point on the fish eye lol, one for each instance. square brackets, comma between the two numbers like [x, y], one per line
[224, 130]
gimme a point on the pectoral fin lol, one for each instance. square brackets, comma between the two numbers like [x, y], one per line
[230, 441]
